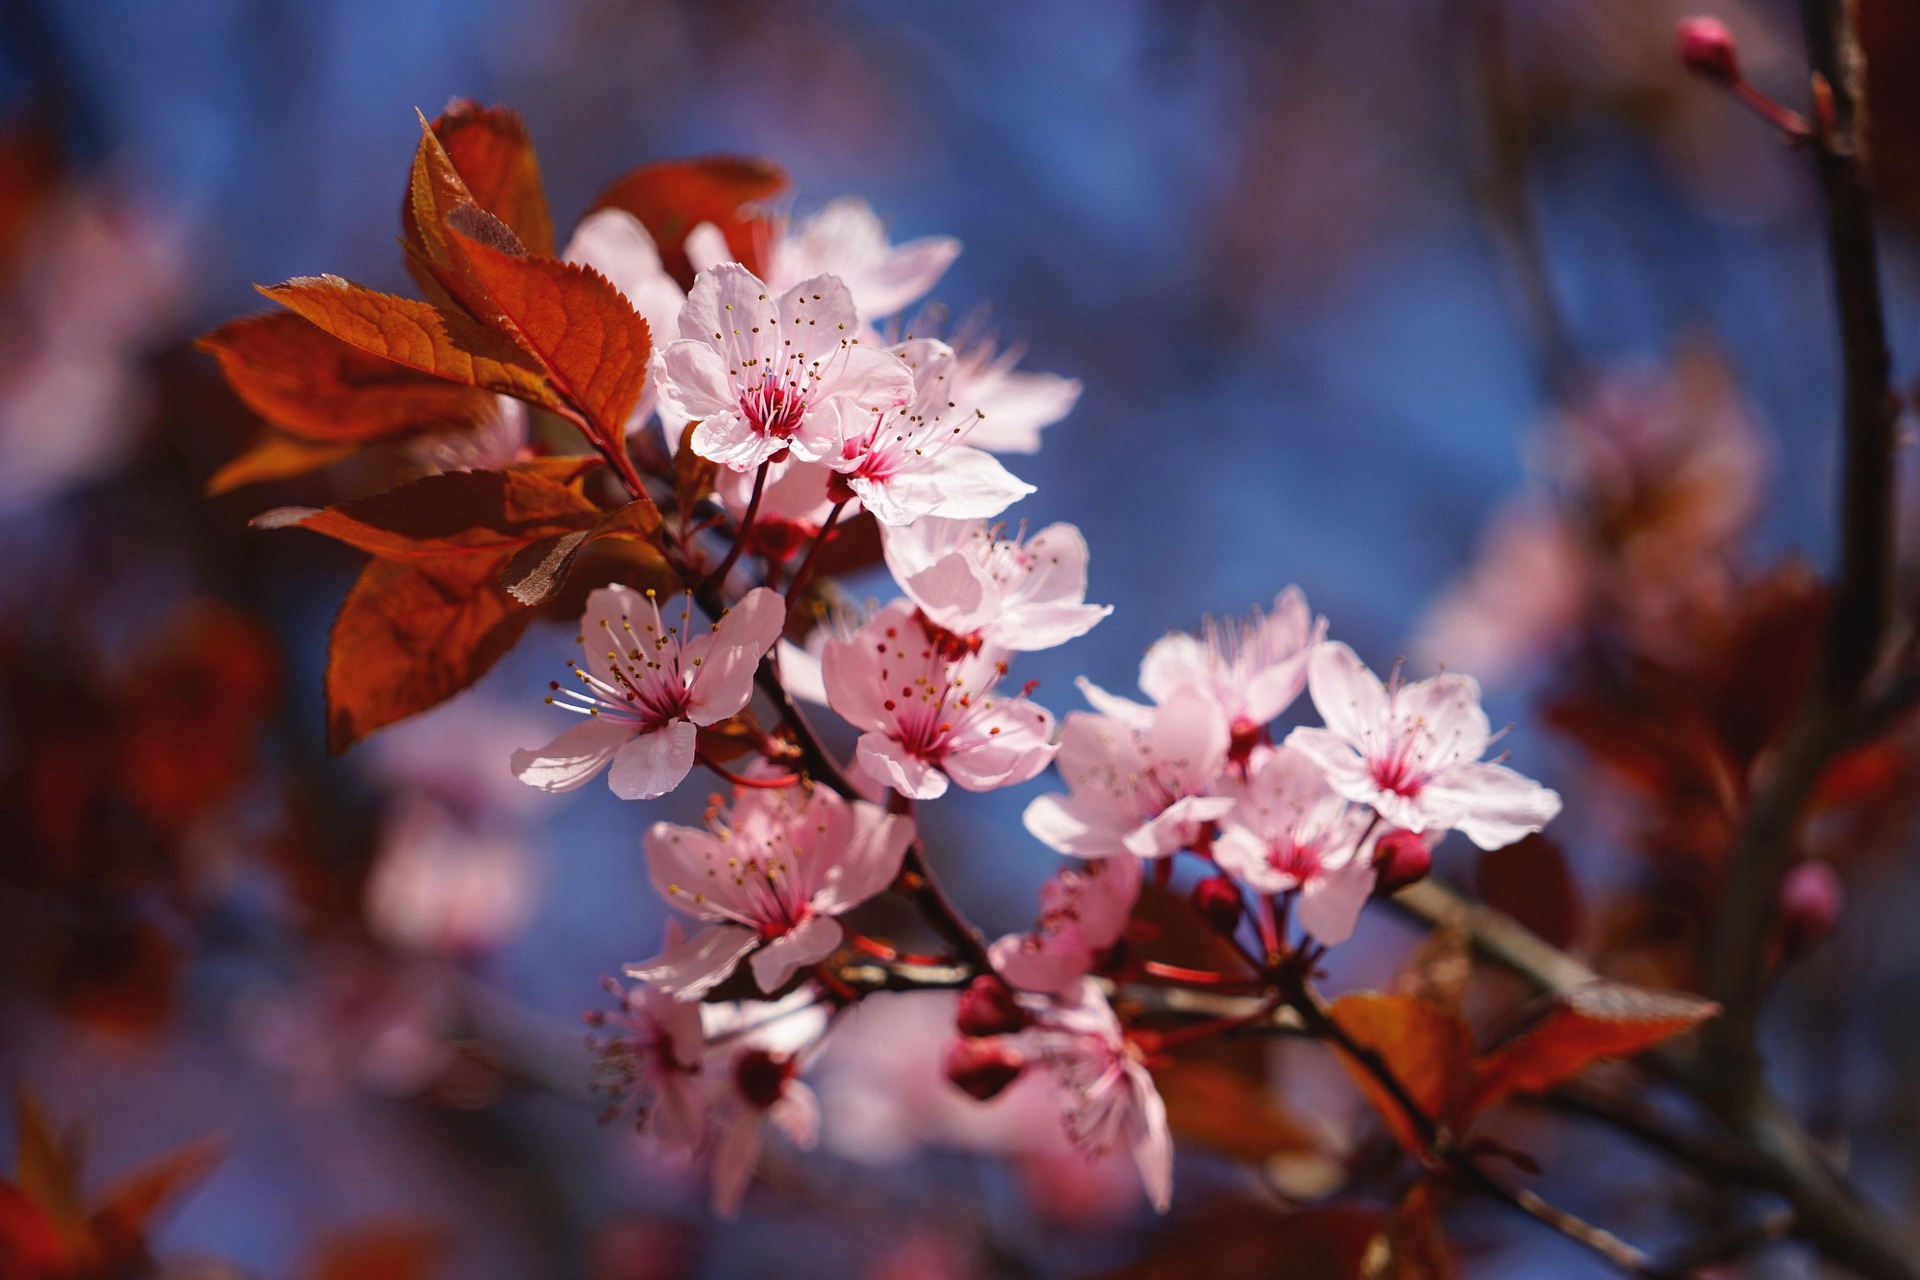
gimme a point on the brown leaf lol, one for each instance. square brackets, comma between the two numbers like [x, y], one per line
[1210, 1103]
[1589, 1024]
[693, 475]
[127, 1207]
[418, 335]
[493, 155]
[1425, 1047]
[538, 570]
[674, 197]
[47, 1168]
[587, 337]
[1411, 1244]
[450, 515]
[276, 456]
[410, 635]
[1529, 881]
[311, 384]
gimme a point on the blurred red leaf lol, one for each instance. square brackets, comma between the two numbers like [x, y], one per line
[587, 337]
[490, 150]
[446, 344]
[310, 384]
[672, 198]
[434, 189]
[1589, 1024]
[31, 1246]
[537, 570]
[1411, 1245]
[1529, 881]
[459, 512]
[275, 455]
[128, 1205]
[383, 1251]
[1211, 1103]
[1427, 1048]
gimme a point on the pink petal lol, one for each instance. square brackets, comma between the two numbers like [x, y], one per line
[1495, 805]
[699, 964]
[887, 761]
[869, 862]
[654, 763]
[1081, 826]
[809, 942]
[796, 1113]
[1349, 697]
[723, 683]
[972, 484]
[734, 1157]
[1243, 855]
[1175, 826]
[575, 756]
[1008, 744]
[1018, 406]
[850, 674]
[1153, 1143]
[816, 316]
[1330, 902]
[693, 380]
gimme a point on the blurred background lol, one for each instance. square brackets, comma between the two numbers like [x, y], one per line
[1393, 301]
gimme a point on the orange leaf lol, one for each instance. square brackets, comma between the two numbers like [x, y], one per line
[275, 456]
[418, 335]
[127, 1207]
[442, 516]
[1424, 1046]
[308, 383]
[1214, 1105]
[493, 155]
[1586, 1025]
[31, 1246]
[537, 571]
[591, 342]
[410, 635]
[674, 197]
[48, 1168]
[396, 1250]
[1411, 1245]
[434, 189]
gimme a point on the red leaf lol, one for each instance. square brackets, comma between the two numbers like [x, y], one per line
[1412, 1246]
[1529, 881]
[538, 570]
[435, 189]
[1589, 1024]
[275, 456]
[1210, 1103]
[418, 335]
[31, 1246]
[442, 516]
[311, 384]
[128, 1205]
[490, 150]
[591, 342]
[674, 197]
[1425, 1047]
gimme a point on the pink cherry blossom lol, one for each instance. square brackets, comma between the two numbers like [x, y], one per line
[1017, 405]
[1290, 831]
[1015, 593]
[768, 878]
[651, 1056]
[1083, 912]
[847, 239]
[647, 684]
[447, 884]
[1412, 752]
[765, 374]
[1252, 668]
[930, 715]
[1140, 780]
[756, 1052]
[914, 461]
[1109, 1096]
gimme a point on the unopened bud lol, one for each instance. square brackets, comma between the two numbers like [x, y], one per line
[1400, 858]
[761, 1077]
[982, 1068]
[1706, 47]
[1218, 901]
[1808, 905]
[987, 1008]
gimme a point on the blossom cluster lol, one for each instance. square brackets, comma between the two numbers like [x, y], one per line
[814, 406]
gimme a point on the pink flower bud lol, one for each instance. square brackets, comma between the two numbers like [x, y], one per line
[982, 1068]
[987, 1008]
[1809, 903]
[1400, 858]
[1218, 901]
[1706, 46]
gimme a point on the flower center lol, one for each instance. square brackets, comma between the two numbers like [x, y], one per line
[773, 408]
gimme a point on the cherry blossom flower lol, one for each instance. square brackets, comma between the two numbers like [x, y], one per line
[1412, 752]
[1252, 668]
[1109, 1096]
[847, 239]
[1015, 404]
[1082, 914]
[1290, 831]
[1015, 593]
[765, 374]
[1139, 779]
[929, 716]
[756, 1053]
[913, 460]
[447, 885]
[768, 878]
[651, 1056]
[647, 684]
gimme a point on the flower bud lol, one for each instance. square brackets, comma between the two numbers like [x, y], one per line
[982, 1068]
[1706, 47]
[1400, 858]
[1219, 903]
[761, 1077]
[987, 1008]
[1808, 905]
